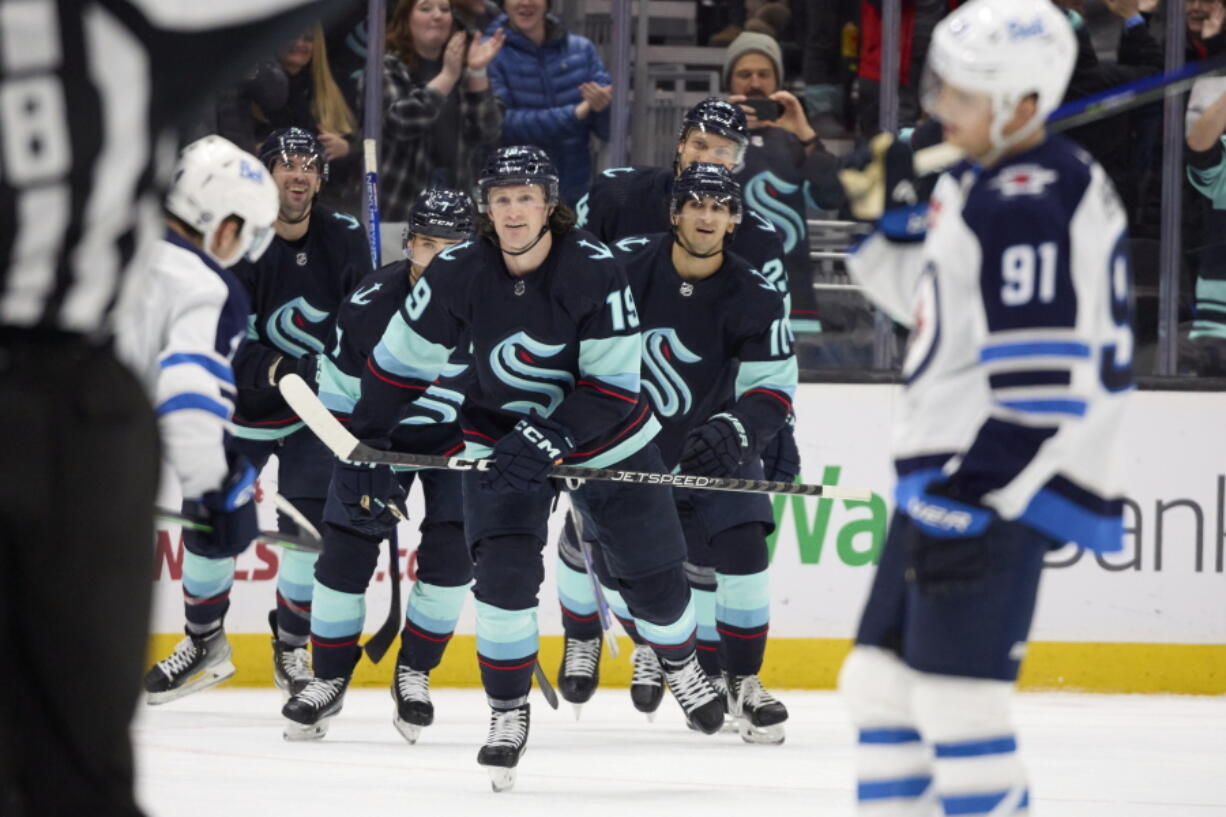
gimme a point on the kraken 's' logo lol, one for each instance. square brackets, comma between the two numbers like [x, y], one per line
[513, 361]
[662, 349]
[286, 327]
[438, 404]
[758, 199]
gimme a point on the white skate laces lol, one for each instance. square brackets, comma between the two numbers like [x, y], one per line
[508, 728]
[647, 670]
[320, 692]
[582, 657]
[296, 664]
[178, 661]
[412, 685]
[690, 685]
[751, 695]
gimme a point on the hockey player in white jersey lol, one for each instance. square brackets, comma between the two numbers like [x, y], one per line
[190, 318]
[1015, 282]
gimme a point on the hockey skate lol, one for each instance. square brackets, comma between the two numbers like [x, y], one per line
[647, 682]
[308, 712]
[759, 717]
[411, 692]
[505, 745]
[579, 674]
[703, 707]
[291, 666]
[196, 663]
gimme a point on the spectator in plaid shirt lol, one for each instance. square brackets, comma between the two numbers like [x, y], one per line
[438, 108]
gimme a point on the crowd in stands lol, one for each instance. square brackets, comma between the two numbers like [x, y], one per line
[461, 77]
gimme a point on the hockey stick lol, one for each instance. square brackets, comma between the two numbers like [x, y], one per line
[1092, 108]
[376, 646]
[551, 697]
[372, 202]
[307, 541]
[347, 447]
[602, 604]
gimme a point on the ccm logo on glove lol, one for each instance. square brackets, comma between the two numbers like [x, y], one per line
[534, 436]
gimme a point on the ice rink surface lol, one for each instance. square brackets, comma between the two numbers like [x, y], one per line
[220, 752]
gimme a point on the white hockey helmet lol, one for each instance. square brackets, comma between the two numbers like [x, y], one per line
[215, 179]
[1006, 50]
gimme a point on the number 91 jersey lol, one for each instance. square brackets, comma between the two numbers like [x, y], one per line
[1019, 302]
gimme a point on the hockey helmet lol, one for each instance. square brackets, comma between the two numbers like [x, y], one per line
[718, 116]
[704, 180]
[285, 142]
[442, 213]
[520, 164]
[215, 179]
[1006, 50]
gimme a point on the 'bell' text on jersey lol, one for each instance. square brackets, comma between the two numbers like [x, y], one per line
[1020, 357]
[719, 344]
[296, 289]
[562, 341]
[634, 201]
[431, 425]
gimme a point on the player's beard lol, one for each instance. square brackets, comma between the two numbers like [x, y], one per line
[295, 215]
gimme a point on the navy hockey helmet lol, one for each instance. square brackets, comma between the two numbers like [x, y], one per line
[285, 142]
[703, 180]
[521, 164]
[718, 116]
[442, 213]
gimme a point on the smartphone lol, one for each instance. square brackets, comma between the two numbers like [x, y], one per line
[767, 110]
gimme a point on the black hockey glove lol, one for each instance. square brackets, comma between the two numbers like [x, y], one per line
[226, 517]
[946, 540]
[364, 498]
[881, 185]
[717, 447]
[781, 457]
[305, 367]
[523, 457]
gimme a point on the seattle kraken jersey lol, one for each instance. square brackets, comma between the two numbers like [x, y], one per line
[562, 341]
[188, 318]
[296, 288]
[1020, 357]
[629, 201]
[719, 344]
[432, 423]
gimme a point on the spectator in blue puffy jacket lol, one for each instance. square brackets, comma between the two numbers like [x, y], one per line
[555, 90]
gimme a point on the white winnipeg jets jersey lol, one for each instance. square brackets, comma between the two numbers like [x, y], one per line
[1019, 302]
[180, 338]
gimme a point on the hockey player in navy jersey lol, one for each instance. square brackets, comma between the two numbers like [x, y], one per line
[192, 314]
[1015, 282]
[557, 354]
[439, 219]
[720, 374]
[315, 260]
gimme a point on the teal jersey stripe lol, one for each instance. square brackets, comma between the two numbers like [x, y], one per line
[617, 356]
[776, 375]
[625, 448]
[404, 353]
[253, 433]
[337, 390]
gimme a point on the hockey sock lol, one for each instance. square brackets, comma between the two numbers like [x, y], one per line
[336, 628]
[295, 581]
[978, 771]
[621, 612]
[893, 763]
[1210, 304]
[663, 612]
[742, 616]
[578, 601]
[206, 591]
[708, 637]
[429, 621]
[507, 643]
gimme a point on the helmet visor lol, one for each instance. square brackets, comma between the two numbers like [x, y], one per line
[705, 143]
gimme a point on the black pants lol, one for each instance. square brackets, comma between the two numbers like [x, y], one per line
[78, 478]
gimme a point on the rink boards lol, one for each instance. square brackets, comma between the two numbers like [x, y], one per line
[1150, 619]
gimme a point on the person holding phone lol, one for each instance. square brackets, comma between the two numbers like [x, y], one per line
[786, 168]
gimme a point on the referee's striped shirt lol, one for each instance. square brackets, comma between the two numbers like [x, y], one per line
[89, 90]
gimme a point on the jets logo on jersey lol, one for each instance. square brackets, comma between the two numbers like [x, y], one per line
[286, 327]
[1023, 180]
[760, 199]
[514, 362]
[662, 349]
[362, 296]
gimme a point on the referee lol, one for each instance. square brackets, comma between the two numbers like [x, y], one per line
[89, 90]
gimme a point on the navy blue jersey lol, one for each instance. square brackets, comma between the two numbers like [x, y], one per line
[296, 288]
[432, 423]
[719, 344]
[562, 341]
[630, 201]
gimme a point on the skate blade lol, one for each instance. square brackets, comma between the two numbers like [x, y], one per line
[295, 731]
[578, 710]
[212, 676]
[409, 731]
[501, 778]
[772, 735]
[651, 716]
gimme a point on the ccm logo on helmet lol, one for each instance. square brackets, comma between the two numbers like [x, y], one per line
[1022, 31]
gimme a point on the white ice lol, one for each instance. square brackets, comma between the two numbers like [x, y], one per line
[220, 754]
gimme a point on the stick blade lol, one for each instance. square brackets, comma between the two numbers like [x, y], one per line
[315, 414]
